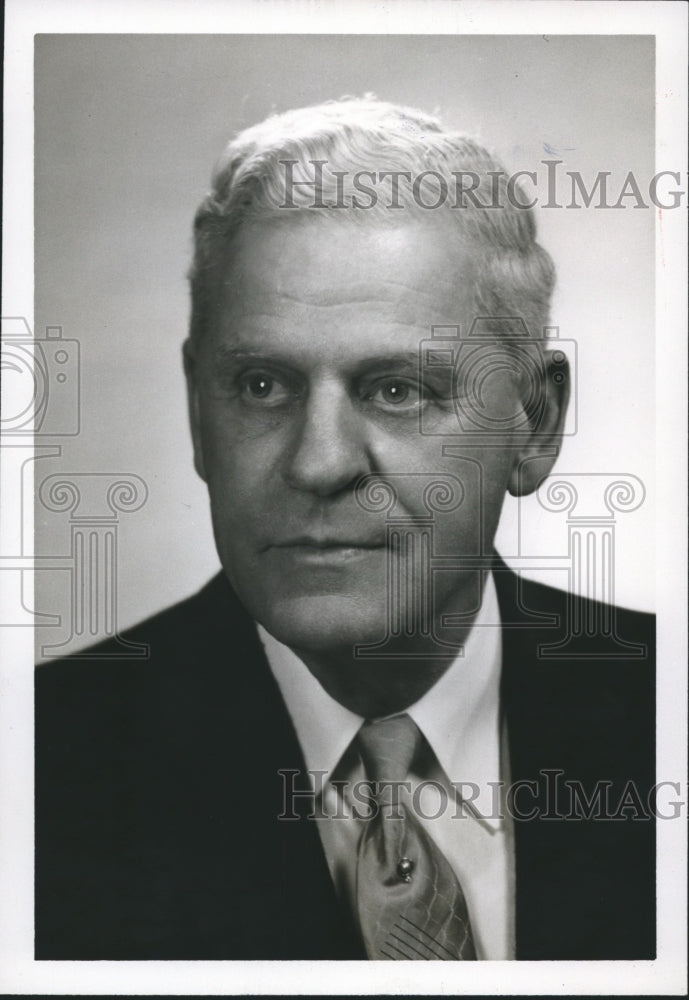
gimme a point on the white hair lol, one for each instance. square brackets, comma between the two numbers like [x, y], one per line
[271, 171]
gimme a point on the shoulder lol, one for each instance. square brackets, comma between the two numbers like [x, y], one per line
[108, 723]
[140, 681]
[542, 609]
[174, 635]
[595, 613]
[578, 682]
[580, 663]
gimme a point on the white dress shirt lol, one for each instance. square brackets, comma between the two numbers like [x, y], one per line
[460, 719]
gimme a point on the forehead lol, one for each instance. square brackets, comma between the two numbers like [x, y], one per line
[343, 284]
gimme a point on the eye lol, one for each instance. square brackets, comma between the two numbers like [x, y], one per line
[260, 387]
[395, 394]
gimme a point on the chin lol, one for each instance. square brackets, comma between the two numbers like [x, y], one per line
[325, 623]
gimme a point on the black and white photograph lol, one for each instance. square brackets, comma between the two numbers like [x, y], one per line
[343, 553]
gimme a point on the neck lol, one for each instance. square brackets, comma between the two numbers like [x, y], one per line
[376, 687]
[382, 685]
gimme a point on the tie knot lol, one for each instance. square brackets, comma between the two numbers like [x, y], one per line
[388, 747]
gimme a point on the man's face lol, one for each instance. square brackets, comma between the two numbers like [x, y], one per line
[309, 380]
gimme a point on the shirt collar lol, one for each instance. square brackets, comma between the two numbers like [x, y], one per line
[324, 727]
[459, 715]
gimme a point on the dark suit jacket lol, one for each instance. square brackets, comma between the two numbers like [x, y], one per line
[157, 793]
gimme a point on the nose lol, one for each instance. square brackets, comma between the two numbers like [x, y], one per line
[328, 452]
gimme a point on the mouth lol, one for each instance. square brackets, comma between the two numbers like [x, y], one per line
[329, 551]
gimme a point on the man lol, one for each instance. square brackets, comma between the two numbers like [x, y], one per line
[260, 787]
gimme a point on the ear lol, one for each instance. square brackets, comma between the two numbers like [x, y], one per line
[536, 456]
[192, 379]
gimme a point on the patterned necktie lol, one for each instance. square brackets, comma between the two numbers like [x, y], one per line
[409, 901]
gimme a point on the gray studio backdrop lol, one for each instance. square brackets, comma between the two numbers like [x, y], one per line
[127, 130]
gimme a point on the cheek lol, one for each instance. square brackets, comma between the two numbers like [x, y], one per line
[236, 459]
[244, 499]
[482, 479]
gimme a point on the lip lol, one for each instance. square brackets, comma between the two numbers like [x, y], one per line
[328, 551]
[329, 542]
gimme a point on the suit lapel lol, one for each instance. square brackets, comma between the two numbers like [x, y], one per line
[260, 883]
[571, 720]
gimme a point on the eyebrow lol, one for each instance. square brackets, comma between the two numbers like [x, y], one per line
[226, 356]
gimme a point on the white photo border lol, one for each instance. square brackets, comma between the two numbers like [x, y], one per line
[19, 973]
